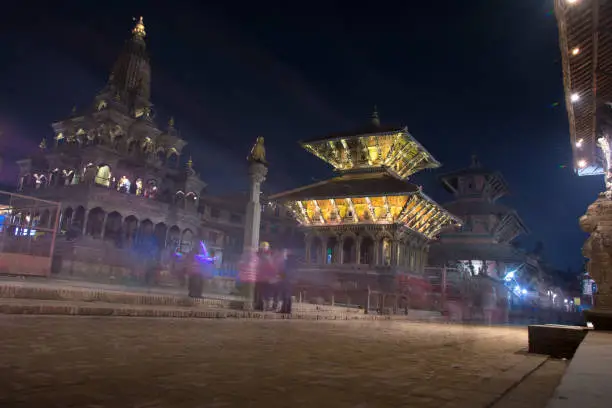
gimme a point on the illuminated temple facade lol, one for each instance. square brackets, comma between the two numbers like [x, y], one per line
[369, 218]
[117, 175]
[483, 244]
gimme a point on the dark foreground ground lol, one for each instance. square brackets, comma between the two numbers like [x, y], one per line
[138, 362]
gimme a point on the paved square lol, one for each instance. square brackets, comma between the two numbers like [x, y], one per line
[136, 362]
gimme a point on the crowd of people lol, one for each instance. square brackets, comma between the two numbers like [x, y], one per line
[266, 273]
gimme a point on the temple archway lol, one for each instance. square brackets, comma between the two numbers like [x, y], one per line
[159, 232]
[331, 252]
[145, 232]
[112, 228]
[174, 237]
[67, 218]
[367, 250]
[95, 221]
[130, 230]
[316, 249]
[78, 218]
[348, 250]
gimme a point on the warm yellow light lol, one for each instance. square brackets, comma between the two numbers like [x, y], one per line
[579, 143]
[574, 97]
[575, 51]
[571, 1]
[582, 163]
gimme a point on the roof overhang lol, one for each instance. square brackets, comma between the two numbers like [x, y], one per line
[585, 39]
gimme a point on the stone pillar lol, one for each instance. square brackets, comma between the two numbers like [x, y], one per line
[377, 252]
[324, 243]
[340, 246]
[358, 250]
[85, 221]
[598, 249]
[104, 225]
[257, 174]
[258, 169]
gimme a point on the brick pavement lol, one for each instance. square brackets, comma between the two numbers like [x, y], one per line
[119, 362]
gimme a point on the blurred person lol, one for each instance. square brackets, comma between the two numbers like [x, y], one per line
[195, 280]
[265, 269]
[489, 304]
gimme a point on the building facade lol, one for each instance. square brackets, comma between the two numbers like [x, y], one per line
[119, 177]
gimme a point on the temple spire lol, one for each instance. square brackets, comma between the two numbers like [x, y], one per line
[375, 118]
[139, 29]
[475, 162]
[171, 122]
[43, 144]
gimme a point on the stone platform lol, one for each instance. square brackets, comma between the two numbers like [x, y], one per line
[53, 298]
[586, 382]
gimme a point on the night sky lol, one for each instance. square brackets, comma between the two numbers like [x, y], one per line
[480, 77]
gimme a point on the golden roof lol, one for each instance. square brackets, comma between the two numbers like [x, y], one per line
[392, 148]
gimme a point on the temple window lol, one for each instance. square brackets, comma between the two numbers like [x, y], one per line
[103, 176]
[124, 185]
[138, 186]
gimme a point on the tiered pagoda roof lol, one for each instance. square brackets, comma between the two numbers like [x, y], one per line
[372, 187]
[585, 40]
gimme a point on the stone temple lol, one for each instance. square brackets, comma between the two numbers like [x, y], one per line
[368, 224]
[118, 176]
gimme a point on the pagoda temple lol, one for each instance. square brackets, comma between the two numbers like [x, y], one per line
[483, 244]
[369, 219]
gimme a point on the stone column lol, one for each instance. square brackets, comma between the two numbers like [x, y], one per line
[102, 233]
[598, 249]
[257, 174]
[358, 250]
[258, 169]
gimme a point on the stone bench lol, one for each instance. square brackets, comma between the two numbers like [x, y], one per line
[555, 340]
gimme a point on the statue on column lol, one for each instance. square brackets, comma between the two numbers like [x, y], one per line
[258, 152]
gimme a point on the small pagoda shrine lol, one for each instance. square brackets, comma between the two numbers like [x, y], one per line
[369, 219]
[484, 243]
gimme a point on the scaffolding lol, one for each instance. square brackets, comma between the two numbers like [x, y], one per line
[28, 229]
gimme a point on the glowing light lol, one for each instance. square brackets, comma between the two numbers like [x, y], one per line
[565, 301]
[524, 292]
[579, 143]
[582, 163]
[589, 325]
[510, 276]
[575, 51]
[574, 97]
[571, 1]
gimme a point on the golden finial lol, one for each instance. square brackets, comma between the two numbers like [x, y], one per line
[189, 163]
[139, 29]
[375, 118]
[43, 144]
[171, 122]
[74, 110]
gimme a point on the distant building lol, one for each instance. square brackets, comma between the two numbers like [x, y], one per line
[483, 244]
